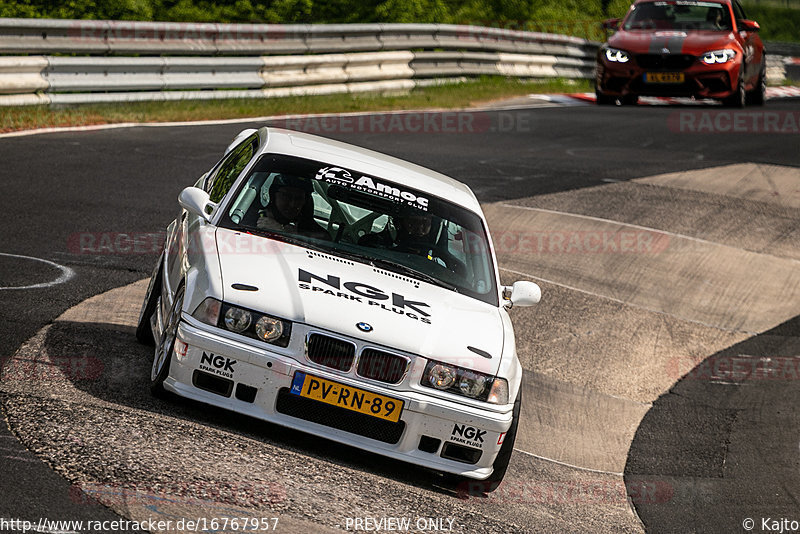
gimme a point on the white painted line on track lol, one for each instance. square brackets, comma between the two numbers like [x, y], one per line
[639, 227]
[268, 118]
[21, 459]
[556, 99]
[66, 273]
[637, 306]
[565, 464]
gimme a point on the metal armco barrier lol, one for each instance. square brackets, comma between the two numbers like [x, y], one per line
[118, 61]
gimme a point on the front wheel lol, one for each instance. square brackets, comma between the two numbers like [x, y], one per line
[144, 331]
[739, 97]
[759, 94]
[603, 99]
[163, 353]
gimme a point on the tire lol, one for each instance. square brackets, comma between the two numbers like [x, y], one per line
[739, 98]
[500, 465]
[759, 94]
[163, 353]
[629, 100]
[604, 100]
[144, 332]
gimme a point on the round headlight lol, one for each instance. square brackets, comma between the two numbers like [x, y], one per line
[237, 320]
[472, 384]
[442, 376]
[269, 328]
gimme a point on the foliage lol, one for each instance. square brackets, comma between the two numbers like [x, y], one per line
[574, 17]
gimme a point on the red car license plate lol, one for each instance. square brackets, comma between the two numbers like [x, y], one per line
[664, 77]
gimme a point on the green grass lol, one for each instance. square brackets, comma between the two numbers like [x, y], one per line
[448, 96]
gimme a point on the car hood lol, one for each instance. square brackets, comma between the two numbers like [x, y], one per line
[677, 42]
[336, 294]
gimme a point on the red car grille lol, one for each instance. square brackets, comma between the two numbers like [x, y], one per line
[665, 61]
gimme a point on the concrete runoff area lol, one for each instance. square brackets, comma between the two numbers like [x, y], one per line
[181, 459]
[638, 306]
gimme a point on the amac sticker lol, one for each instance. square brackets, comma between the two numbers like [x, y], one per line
[343, 177]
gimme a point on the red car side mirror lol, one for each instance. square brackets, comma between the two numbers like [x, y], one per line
[748, 25]
[611, 24]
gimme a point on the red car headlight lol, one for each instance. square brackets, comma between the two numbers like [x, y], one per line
[718, 56]
[616, 56]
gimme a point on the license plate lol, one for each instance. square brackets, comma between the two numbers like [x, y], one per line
[664, 77]
[349, 398]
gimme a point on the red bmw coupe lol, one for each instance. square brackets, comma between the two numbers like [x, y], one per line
[683, 48]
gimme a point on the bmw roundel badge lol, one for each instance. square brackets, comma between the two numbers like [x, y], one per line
[364, 327]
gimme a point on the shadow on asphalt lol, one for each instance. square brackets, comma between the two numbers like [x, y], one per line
[106, 362]
[727, 426]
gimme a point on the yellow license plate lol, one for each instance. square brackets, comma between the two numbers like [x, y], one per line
[349, 398]
[664, 77]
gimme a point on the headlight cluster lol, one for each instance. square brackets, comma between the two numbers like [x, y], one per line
[718, 56]
[446, 377]
[617, 56]
[243, 321]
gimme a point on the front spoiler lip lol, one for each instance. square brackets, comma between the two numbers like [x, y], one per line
[417, 413]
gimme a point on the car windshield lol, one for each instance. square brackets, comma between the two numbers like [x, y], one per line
[368, 218]
[679, 15]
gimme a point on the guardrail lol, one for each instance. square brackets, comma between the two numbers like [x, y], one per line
[135, 61]
[118, 61]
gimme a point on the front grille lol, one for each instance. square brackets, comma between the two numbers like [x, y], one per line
[331, 352]
[339, 418]
[382, 366]
[687, 88]
[665, 61]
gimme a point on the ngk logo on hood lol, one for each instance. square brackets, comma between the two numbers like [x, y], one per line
[372, 295]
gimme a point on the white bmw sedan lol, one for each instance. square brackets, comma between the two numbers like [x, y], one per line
[345, 293]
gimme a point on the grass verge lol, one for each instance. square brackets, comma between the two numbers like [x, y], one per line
[448, 96]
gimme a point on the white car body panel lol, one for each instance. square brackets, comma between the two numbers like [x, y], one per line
[323, 293]
[399, 327]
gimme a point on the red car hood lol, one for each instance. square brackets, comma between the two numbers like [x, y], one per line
[676, 42]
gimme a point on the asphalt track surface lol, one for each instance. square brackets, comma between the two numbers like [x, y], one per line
[663, 377]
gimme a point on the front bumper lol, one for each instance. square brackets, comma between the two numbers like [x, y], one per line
[255, 381]
[700, 80]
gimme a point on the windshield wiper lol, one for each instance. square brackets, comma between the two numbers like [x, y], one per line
[292, 240]
[374, 262]
[410, 271]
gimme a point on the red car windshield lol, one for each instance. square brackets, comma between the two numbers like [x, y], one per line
[679, 15]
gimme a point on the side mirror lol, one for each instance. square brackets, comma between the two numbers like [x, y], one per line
[197, 202]
[611, 24]
[522, 293]
[748, 25]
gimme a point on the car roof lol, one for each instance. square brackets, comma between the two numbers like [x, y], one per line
[329, 151]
